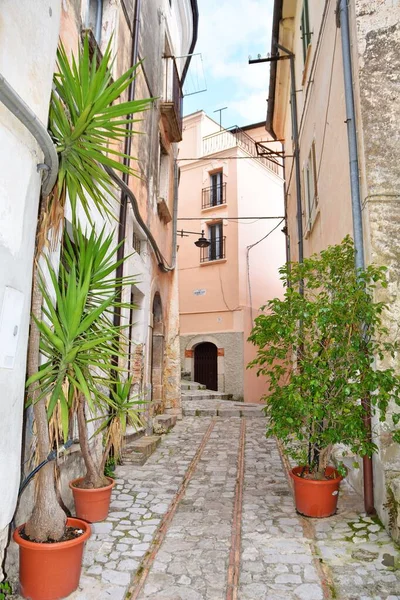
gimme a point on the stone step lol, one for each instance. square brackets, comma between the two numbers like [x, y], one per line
[224, 411]
[163, 423]
[192, 385]
[132, 434]
[138, 451]
[205, 395]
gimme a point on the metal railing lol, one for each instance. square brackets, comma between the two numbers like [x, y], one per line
[213, 196]
[236, 137]
[216, 251]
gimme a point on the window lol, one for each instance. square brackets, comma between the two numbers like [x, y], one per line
[163, 173]
[305, 29]
[216, 195]
[310, 187]
[136, 242]
[216, 249]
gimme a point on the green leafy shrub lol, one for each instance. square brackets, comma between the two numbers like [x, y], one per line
[317, 351]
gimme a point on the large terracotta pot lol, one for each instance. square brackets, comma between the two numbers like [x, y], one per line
[92, 505]
[316, 498]
[51, 571]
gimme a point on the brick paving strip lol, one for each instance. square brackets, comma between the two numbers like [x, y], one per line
[144, 569]
[234, 557]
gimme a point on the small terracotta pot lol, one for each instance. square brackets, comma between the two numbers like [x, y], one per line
[316, 498]
[51, 571]
[92, 505]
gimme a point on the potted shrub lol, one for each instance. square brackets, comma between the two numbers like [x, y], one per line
[317, 349]
[84, 118]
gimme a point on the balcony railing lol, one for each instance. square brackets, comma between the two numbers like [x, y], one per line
[236, 137]
[171, 102]
[216, 251]
[213, 196]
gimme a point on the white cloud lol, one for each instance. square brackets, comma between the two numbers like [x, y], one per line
[229, 31]
[252, 107]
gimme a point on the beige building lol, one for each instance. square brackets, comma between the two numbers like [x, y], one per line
[162, 34]
[236, 198]
[325, 137]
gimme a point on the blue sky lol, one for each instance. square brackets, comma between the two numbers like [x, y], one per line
[230, 31]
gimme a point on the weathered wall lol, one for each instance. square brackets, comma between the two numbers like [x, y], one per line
[377, 56]
[375, 38]
[23, 25]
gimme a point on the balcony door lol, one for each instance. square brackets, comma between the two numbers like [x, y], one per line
[216, 196]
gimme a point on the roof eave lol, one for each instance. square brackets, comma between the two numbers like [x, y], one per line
[273, 69]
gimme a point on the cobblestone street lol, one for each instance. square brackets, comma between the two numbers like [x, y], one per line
[211, 516]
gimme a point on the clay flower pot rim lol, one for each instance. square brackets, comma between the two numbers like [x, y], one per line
[91, 490]
[44, 546]
[294, 474]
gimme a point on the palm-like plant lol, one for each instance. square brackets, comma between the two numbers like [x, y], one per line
[85, 119]
[122, 410]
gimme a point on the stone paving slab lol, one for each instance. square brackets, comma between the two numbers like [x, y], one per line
[205, 407]
[347, 556]
[281, 555]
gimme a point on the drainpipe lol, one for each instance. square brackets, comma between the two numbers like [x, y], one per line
[99, 18]
[16, 105]
[342, 11]
[127, 160]
[295, 133]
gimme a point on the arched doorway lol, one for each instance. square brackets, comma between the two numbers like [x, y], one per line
[206, 365]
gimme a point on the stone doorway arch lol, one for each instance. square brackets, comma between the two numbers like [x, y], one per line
[189, 363]
[206, 365]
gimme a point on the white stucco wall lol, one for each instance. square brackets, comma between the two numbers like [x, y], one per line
[28, 41]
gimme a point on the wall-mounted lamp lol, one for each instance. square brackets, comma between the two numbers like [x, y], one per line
[202, 242]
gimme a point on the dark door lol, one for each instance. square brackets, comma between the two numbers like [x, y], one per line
[205, 365]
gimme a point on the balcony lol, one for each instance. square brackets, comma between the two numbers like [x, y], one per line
[171, 102]
[216, 251]
[236, 137]
[213, 196]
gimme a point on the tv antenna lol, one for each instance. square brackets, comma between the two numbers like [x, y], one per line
[220, 115]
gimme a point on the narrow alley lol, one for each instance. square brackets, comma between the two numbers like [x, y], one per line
[211, 516]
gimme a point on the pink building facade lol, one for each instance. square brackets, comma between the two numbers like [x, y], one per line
[236, 198]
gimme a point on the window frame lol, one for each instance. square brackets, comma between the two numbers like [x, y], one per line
[217, 188]
[305, 30]
[310, 184]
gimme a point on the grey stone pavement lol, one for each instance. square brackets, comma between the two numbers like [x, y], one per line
[230, 534]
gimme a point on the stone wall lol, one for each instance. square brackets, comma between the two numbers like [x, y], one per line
[377, 31]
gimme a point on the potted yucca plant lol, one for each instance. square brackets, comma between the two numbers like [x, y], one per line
[85, 121]
[317, 349]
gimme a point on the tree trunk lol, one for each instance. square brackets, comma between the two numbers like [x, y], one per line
[48, 519]
[105, 455]
[94, 477]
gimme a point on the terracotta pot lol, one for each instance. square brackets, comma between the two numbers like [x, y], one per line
[92, 505]
[51, 571]
[316, 498]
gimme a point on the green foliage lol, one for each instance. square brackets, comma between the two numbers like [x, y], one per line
[5, 590]
[318, 352]
[87, 123]
[77, 334]
[122, 410]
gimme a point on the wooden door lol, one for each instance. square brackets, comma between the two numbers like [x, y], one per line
[205, 365]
